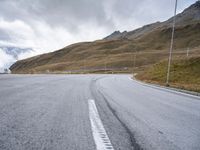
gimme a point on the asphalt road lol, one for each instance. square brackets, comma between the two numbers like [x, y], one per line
[89, 112]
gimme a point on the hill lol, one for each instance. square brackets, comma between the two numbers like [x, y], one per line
[116, 52]
[185, 73]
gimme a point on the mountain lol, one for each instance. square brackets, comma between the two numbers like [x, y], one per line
[116, 35]
[115, 53]
[188, 16]
[133, 34]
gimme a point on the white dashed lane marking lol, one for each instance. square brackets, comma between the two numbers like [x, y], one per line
[99, 133]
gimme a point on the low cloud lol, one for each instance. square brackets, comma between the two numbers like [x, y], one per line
[5, 60]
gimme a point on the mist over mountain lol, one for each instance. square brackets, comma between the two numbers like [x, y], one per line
[116, 49]
[15, 51]
[50, 25]
[9, 55]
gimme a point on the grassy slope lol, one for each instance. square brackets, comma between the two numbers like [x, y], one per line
[185, 73]
[116, 54]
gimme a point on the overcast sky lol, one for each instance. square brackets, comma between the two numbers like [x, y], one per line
[47, 25]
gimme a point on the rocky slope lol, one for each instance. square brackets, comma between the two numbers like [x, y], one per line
[188, 16]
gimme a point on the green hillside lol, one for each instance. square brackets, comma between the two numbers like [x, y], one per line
[185, 73]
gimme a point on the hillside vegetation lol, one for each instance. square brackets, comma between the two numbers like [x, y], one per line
[114, 54]
[143, 51]
[185, 73]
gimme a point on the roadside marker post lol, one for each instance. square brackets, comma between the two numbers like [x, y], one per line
[188, 51]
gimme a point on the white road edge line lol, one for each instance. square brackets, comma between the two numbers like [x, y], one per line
[165, 89]
[99, 133]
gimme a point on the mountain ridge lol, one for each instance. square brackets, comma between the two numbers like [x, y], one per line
[115, 51]
[190, 14]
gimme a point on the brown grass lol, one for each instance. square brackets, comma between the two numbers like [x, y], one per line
[185, 73]
[116, 54]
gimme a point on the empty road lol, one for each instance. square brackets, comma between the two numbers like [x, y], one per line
[94, 112]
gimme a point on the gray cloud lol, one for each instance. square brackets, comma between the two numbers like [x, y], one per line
[70, 14]
[4, 35]
[67, 13]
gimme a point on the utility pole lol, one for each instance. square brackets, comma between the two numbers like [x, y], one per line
[172, 42]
